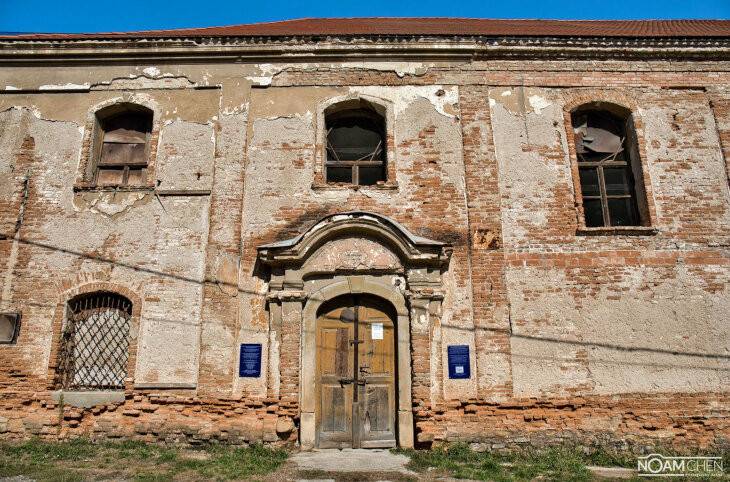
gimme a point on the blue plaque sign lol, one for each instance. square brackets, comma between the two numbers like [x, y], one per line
[459, 366]
[250, 361]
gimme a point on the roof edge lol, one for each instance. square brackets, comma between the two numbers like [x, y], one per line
[415, 26]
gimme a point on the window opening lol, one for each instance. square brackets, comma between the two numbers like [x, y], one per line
[355, 147]
[604, 165]
[95, 342]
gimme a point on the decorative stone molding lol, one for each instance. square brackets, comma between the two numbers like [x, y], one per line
[388, 261]
[411, 249]
[466, 47]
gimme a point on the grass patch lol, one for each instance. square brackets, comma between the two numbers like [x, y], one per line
[80, 459]
[460, 461]
[565, 463]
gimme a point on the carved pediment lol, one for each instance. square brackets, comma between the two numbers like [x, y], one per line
[352, 254]
[356, 240]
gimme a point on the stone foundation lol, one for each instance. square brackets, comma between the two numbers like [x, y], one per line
[150, 417]
[631, 422]
[634, 422]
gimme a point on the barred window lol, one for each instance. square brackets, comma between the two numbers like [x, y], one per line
[122, 154]
[355, 145]
[95, 342]
[609, 167]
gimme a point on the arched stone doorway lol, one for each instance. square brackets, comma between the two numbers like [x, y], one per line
[361, 256]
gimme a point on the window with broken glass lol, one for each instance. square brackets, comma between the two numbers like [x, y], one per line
[604, 166]
[355, 148]
[95, 342]
[9, 327]
[122, 156]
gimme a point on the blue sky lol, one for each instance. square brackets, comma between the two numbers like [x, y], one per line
[118, 15]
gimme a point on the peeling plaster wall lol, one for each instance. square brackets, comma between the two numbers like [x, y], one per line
[643, 317]
[186, 156]
[282, 196]
[152, 245]
[480, 155]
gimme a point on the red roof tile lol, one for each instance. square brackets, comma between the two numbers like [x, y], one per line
[428, 26]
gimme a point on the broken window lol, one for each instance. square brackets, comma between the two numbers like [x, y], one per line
[608, 174]
[355, 147]
[95, 342]
[9, 327]
[122, 155]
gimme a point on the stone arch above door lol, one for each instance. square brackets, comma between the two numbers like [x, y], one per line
[412, 251]
[347, 253]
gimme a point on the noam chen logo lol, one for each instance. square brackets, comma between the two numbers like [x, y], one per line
[657, 465]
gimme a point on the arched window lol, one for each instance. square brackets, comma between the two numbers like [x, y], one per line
[609, 166]
[122, 145]
[356, 144]
[95, 342]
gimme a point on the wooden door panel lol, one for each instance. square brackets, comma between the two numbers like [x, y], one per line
[377, 357]
[352, 414]
[377, 401]
[334, 409]
[334, 359]
[334, 363]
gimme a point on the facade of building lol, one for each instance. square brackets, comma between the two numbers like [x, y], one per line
[368, 233]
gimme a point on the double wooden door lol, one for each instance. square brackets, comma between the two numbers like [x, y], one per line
[356, 374]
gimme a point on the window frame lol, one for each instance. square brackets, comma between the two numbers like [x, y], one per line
[355, 165]
[603, 195]
[59, 324]
[380, 106]
[87, 174]
[634, 155]
[66, 375]
[125, 167]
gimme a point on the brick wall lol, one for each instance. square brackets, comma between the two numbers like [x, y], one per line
[600, 338]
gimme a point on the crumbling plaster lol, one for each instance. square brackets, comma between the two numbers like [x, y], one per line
[281, 164]
[627, 333]
[239, 144]
[640, 342]
[152, 244]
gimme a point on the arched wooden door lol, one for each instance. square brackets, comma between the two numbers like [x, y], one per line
[356, 384]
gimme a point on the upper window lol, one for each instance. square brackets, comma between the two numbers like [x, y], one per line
[95, 342]
[355, 146]
[9, 326]
[610, 174]
[123, 152]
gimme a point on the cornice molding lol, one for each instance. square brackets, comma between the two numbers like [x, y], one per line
[333, 48]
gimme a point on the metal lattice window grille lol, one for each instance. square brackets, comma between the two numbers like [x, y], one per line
[95, 342]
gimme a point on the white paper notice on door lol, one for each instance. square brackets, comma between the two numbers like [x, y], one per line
[376, 331]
